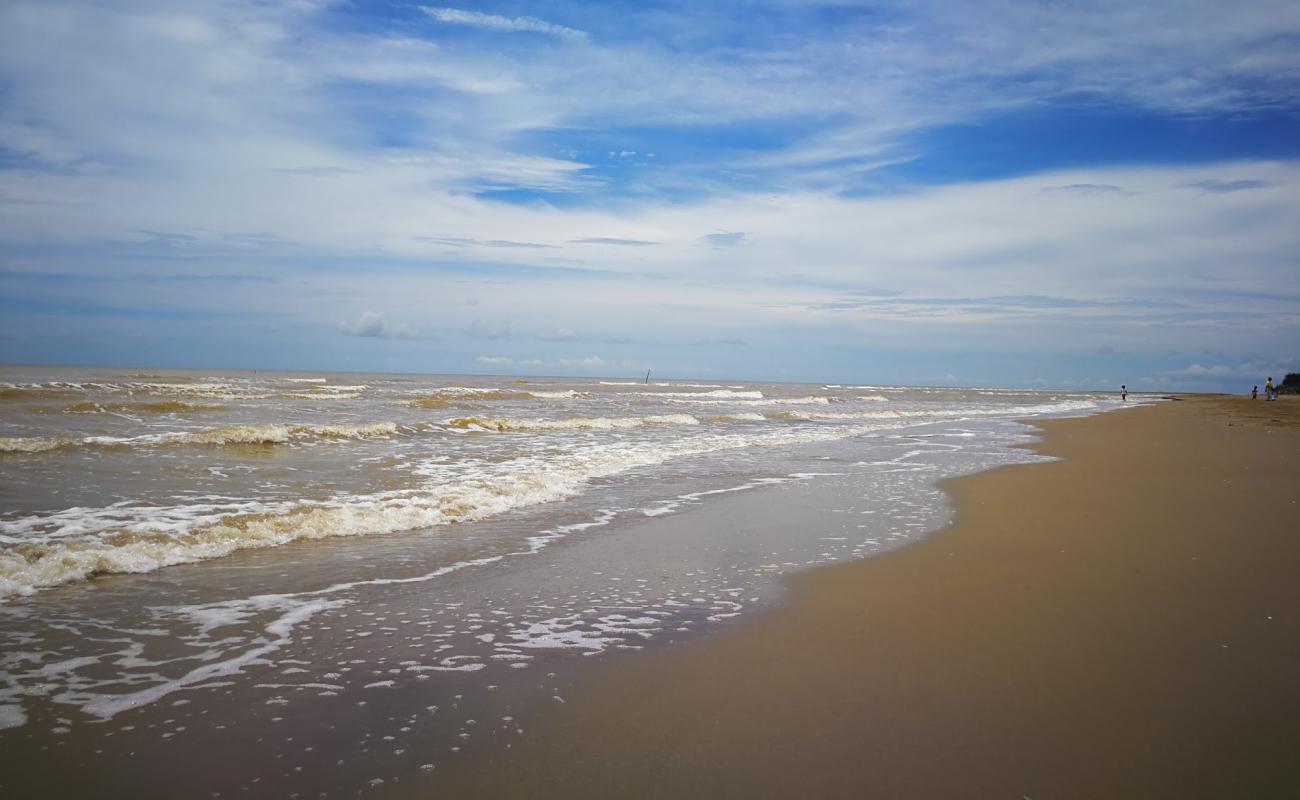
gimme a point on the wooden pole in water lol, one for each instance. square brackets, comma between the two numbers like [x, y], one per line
[647, 377]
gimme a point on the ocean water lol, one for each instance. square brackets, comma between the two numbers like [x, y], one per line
[182, 539]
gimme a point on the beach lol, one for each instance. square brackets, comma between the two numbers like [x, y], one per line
[1119, 623]
[347, 583]
[901, 594]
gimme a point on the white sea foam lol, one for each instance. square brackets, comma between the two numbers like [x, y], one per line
[666, 385]
[812, 400]
[12, 716]
[716, 394]
[220, 389]
[572, 423]
[32, 444]
[79, 543]
[280, 633]
[446, 479]
[844, 415]
[943, 412]
[270, 433]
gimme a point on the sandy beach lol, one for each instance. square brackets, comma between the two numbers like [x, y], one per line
[1119, 623]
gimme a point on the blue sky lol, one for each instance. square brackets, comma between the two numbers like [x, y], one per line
[992, 193]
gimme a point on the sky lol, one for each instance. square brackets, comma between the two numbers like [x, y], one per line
[1023, 194]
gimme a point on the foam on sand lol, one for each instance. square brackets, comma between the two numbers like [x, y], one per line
[12, 716]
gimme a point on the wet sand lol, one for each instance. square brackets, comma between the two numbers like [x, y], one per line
[1122, 623]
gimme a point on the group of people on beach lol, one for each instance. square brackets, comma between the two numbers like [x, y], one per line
[1270, 391]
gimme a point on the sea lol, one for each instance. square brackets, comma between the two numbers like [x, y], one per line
[200, 555]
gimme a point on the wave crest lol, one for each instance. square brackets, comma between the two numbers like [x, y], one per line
[744, 416]
[32, 444]
[161, 407]
[269, 434]
[571, 424]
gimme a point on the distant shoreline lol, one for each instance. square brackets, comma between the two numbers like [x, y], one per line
[631, 376]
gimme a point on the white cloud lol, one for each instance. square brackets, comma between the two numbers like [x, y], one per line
[495, 22]
[244, 133]
[587, 364]
[372, 324]
[1233, 378]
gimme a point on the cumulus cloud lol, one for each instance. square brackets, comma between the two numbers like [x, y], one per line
[1255, 369]
[373, 325]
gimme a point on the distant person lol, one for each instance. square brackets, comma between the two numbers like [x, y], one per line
[1123, 392]
[1269, 392]
[1254, 392]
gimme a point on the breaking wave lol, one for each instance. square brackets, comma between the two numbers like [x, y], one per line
[716, 394]
[814, 400]
[461, 396]
[162, 407]
[809, 416]
[80, 543]
[219, 390]
[232, 435]
[31, 444]
[744, 416]
[430, 403]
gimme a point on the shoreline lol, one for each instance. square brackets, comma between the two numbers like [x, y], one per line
[1116, 623]
[386, 676]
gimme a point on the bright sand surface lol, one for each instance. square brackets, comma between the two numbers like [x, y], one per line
[1123, 623]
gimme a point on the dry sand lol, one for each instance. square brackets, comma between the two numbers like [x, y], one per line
[1124, 623]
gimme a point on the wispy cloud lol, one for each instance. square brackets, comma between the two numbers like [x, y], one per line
[505, 243]
[613, 241]
[1224, 187]
[1087, 188]
[726, 239]
[588, 365]
[495, 22]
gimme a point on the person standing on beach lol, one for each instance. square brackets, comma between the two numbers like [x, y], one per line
[1123, 392]
[1269, 392]
[1254, 392]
